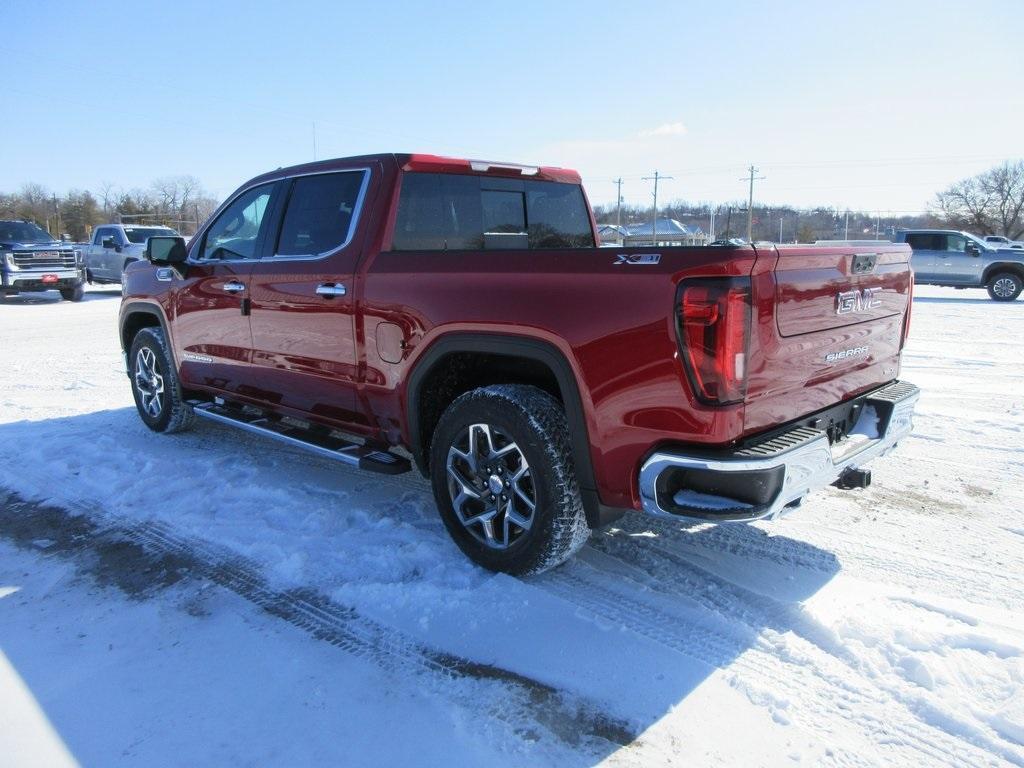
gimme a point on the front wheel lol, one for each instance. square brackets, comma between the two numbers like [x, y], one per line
[73, 294]
[504, 481]
[155, 384]
[1004, 286]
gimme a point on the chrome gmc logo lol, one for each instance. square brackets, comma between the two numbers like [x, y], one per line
[848, 302]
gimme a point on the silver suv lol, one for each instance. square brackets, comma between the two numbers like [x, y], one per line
[962, 260]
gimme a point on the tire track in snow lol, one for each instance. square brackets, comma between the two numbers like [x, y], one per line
[964, 580]
[141, 558]
[767, 677]
[795, 637]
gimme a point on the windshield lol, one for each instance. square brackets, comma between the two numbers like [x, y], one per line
[23, 232]
[139, 234]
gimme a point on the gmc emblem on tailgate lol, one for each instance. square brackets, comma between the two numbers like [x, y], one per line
[848, 302]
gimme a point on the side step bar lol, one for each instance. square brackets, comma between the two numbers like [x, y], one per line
[322, 444]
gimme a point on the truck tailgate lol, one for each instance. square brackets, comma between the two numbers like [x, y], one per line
[828, 325]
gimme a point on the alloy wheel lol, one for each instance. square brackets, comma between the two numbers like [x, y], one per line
[1004, 287]
[148, 382]
[490, 484]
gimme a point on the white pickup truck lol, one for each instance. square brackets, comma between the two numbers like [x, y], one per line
[115, 246]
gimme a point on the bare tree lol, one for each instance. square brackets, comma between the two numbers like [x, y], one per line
[989, 203]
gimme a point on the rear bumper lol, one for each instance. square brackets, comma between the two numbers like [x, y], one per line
[763, 478]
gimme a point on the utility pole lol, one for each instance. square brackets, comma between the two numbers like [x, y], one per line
[846, 226]
[618, 201]
[711, 226]
[654, 223]
[750, 202]
[780, 229]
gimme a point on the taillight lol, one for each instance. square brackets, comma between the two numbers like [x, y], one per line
[714, 332]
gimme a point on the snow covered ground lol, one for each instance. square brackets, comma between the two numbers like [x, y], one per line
[211, 598]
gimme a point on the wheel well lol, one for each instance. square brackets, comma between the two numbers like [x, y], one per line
[134, 323]
[456, 373]
[1017, 269]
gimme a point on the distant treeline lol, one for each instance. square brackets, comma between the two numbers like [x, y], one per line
[177, 201]
[989, 203]
[803, 225]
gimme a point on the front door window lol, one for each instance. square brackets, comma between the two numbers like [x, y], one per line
[235, 233]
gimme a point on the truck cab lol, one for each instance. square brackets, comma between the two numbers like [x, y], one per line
[114, 246]
[961, 260]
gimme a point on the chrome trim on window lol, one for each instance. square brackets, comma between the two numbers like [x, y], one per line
[356, 212]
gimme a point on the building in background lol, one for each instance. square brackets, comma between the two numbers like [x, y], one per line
[668, 232]
[609, 234]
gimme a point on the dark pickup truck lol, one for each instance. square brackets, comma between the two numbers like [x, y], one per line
[392, 310]
[31, 260]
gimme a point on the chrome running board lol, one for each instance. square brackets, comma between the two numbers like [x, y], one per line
[321, 443]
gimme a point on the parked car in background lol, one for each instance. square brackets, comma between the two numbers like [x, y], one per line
[962, 260]
[115, 246]
[32, 260]
[459, 313]
[1004, 242]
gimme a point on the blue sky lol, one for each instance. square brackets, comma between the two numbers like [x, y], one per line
[870, 105]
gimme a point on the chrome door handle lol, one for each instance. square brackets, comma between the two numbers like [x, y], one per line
[330, 290]
[233, 286]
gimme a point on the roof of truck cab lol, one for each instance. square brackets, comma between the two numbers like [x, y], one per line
[422, 162]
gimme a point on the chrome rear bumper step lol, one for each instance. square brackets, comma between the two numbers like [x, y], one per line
[770, 476]
[324, 444]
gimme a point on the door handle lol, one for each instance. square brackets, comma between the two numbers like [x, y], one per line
[233, 286]
[330, 290]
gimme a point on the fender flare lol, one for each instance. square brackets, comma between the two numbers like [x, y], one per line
[1015, 267]
[535, 349]
[141, 308]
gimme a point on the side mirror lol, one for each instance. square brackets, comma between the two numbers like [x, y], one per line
[973, 249]
[166, 250]
[108, 242]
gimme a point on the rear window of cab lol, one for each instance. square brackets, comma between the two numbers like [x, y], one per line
[453, 212]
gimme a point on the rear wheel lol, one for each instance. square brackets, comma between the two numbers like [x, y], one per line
[73, 294]
[504, 481]
[1005, 286]
[155, 384]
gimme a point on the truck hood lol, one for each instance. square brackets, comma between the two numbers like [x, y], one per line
[8, 245]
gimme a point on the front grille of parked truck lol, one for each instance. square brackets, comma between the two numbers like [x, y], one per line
[55, 259]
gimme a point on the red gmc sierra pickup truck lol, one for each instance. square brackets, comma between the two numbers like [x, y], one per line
[401, 309]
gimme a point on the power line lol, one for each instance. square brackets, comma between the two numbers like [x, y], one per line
[654, 222]
[618, 201]
[750, 203]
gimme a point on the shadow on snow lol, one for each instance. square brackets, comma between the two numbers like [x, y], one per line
[648, 610]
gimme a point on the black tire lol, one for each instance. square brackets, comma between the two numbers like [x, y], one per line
[149, 352]
[1004, 286]
[73, 294]
[534, 423]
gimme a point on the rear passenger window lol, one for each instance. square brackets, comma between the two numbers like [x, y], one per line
[321, 213]
[438, 211]
[923, 241]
